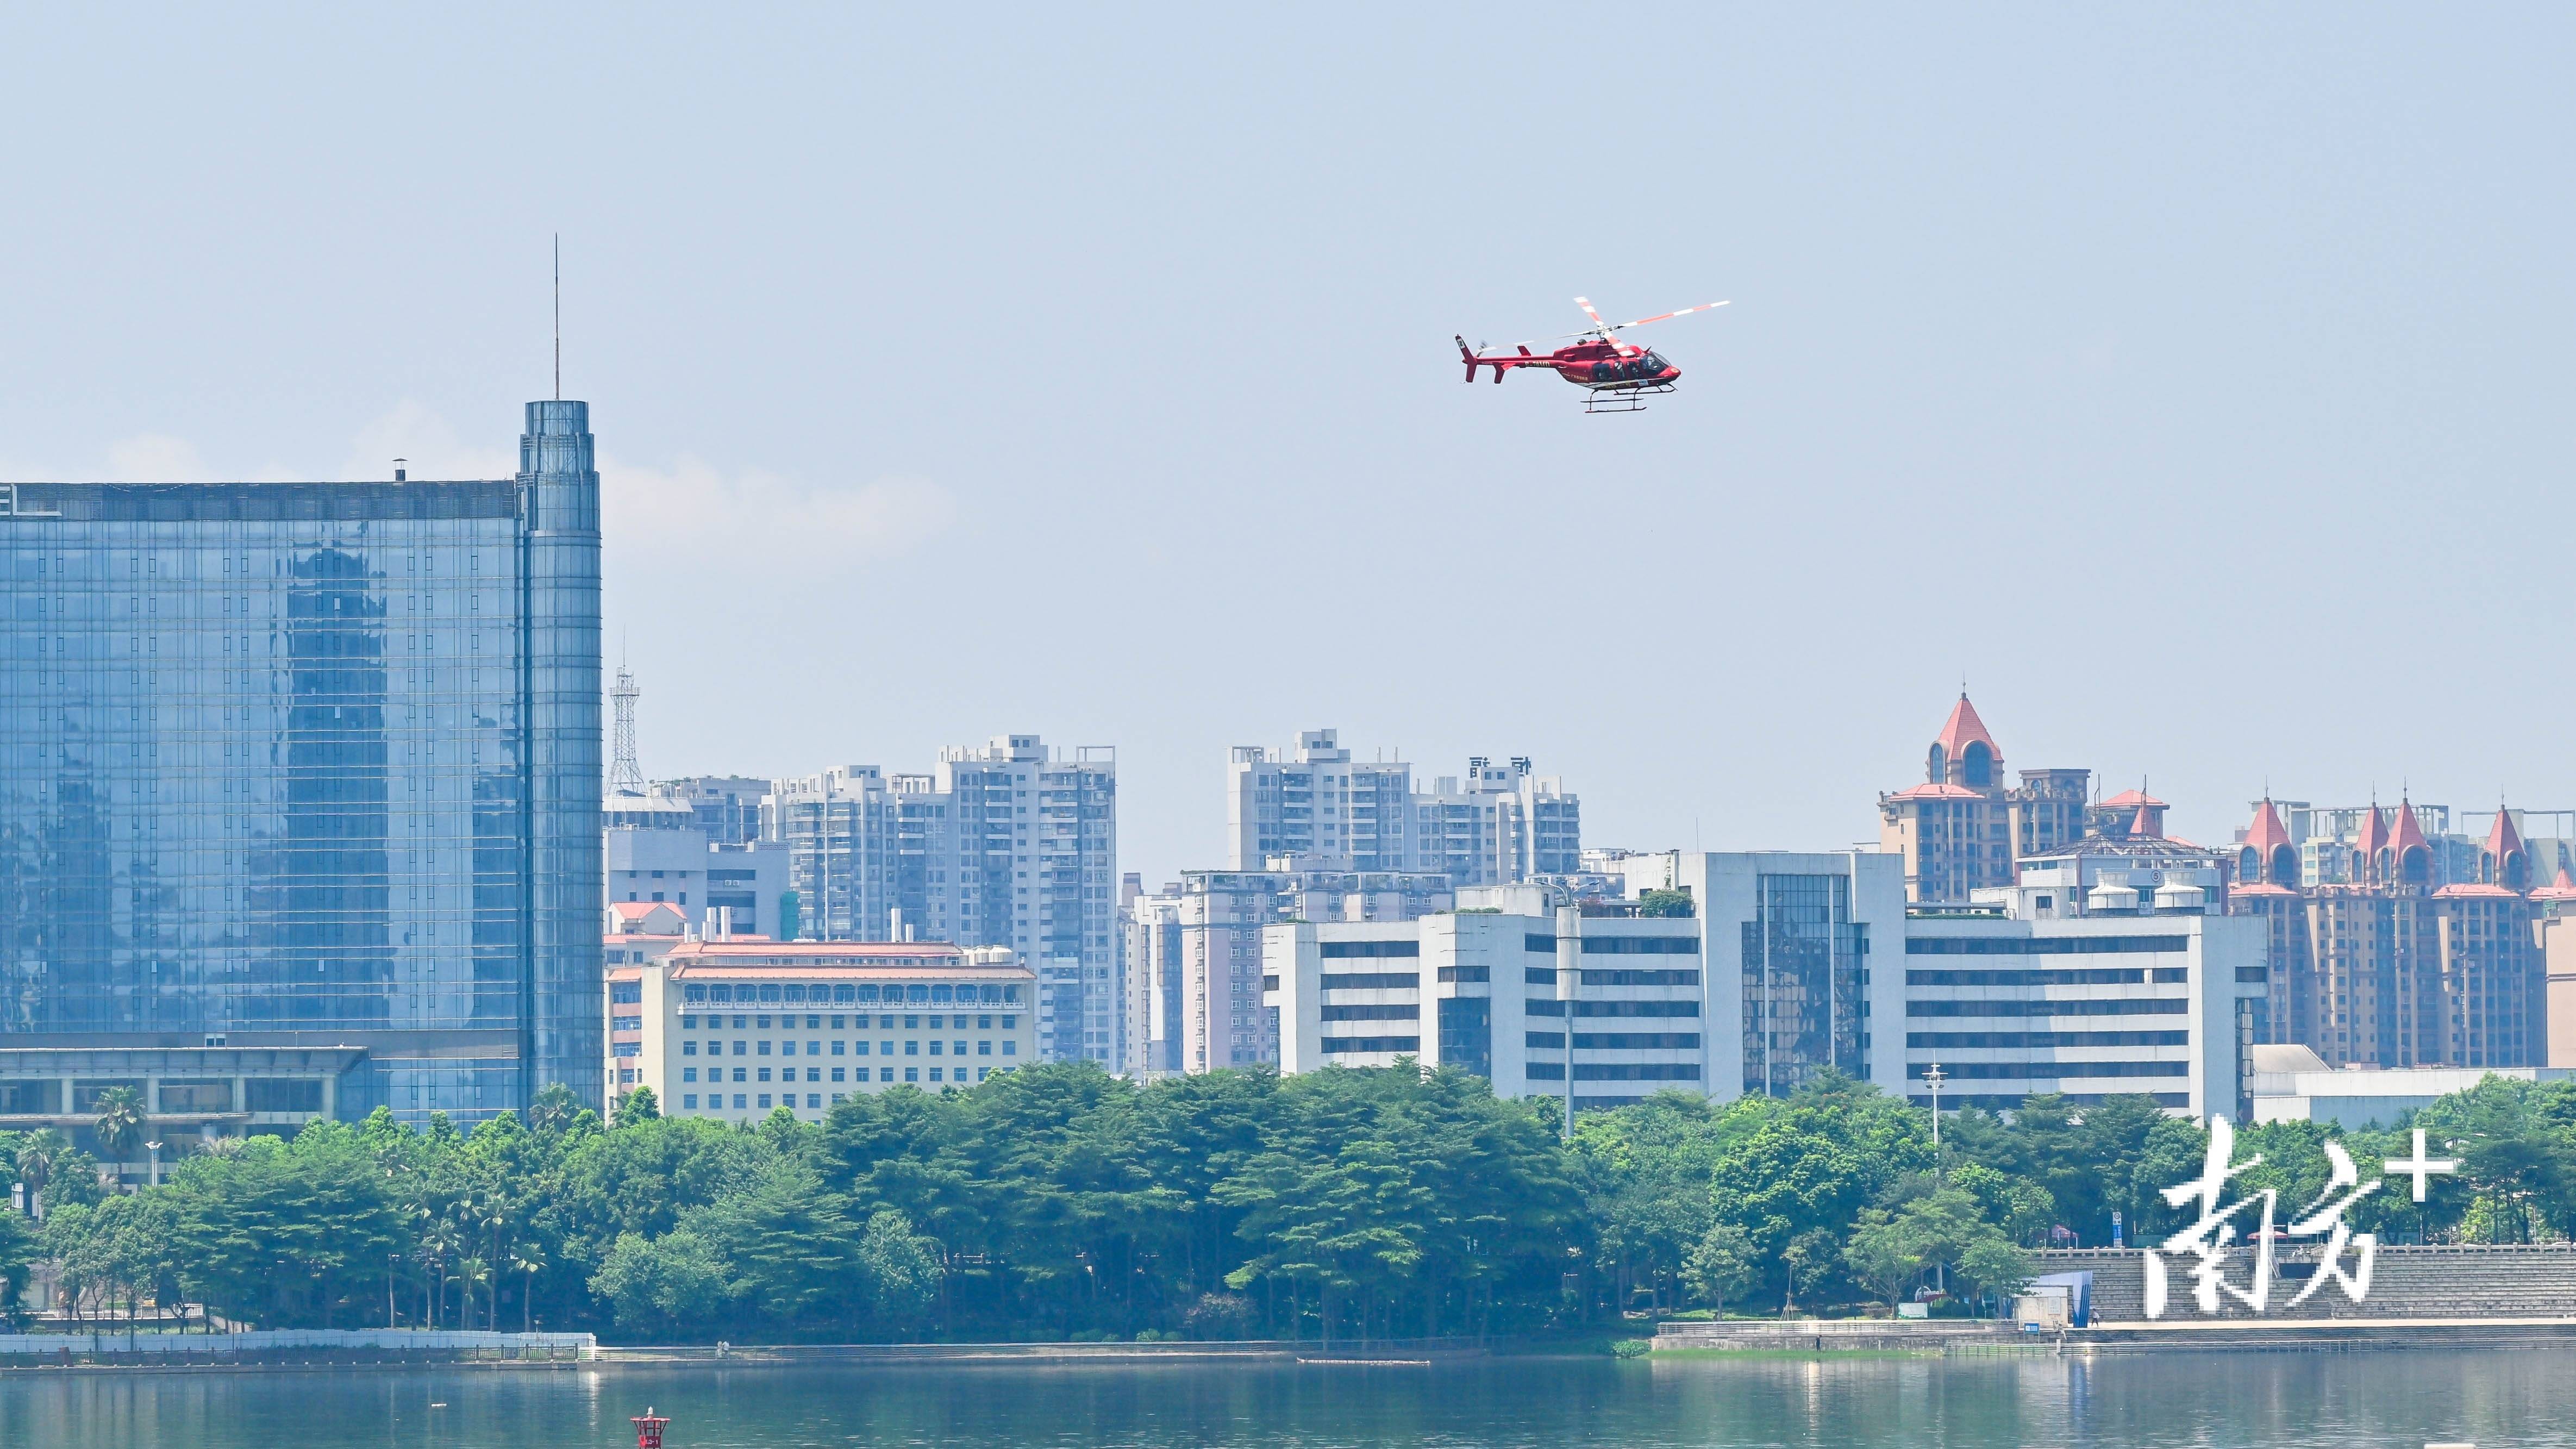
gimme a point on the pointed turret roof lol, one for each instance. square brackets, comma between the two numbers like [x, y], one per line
[2267, 833]
[2561, 889]
[2142, 826]
[2374, 832]
[1964, 728]
[2503, 839]
[2409, 834]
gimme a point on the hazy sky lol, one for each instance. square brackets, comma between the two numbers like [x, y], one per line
[2192, 380]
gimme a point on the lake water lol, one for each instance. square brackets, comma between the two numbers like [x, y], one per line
[2396, 1399]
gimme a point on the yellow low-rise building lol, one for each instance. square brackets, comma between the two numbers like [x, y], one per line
[736, 1029]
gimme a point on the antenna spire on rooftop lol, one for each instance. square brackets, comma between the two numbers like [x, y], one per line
[558, 316]
[625, 767]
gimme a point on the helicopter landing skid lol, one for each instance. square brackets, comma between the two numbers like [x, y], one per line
[1623, 400]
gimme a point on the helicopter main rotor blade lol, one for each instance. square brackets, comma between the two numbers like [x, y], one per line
[1597, 324]
[1663, 316]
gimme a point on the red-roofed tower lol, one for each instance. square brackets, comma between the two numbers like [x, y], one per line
[2505, 861]
[2409, 853]
[2267, 856]
[2369, 851]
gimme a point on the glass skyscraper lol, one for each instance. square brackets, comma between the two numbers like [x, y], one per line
[310, 764]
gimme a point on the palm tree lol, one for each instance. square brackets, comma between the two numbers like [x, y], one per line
[469, 1272]
[494, 1214]
[527, 1259]
[37, 1154]
[120, 1121]
[437, 1246]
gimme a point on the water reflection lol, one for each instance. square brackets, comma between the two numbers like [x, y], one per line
[2338, 1400]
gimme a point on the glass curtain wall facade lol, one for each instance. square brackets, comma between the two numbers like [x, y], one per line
[1805, 964]
[304, 764]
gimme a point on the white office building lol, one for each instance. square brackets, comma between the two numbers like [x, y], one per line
[1496, 825]
[1491, 991]
[1819, 963]
[1796, 947]
[2091, 1007]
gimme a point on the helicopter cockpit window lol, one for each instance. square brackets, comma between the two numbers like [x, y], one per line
[1655, 363]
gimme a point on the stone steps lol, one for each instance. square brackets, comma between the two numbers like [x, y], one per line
[2406, 1282]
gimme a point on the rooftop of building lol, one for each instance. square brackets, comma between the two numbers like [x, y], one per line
[1938, 792]
[853, 958]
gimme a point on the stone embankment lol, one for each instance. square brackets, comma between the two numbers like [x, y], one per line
[2419, 1297]
[347, 1346]
[1838, 1335]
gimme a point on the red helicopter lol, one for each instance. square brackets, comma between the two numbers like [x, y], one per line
[1619, 377]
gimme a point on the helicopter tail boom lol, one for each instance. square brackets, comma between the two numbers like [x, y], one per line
[1498, 364]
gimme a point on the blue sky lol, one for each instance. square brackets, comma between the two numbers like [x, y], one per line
[2191, 380]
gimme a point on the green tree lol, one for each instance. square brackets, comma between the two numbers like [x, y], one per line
[1888, 1251]
[658, 1283]
[1653, 902]
[18, 1248]
[1806, 1262]
[73, 1181]
[1721, 1266]
[788, 1245]
[901, 1268]
[636, 1106]
[285, 1233]
[1993, 1265]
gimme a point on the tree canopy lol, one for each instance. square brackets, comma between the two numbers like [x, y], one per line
[1057, 1201]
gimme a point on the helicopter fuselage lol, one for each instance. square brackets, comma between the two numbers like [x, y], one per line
[1598, 365]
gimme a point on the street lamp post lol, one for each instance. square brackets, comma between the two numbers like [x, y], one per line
[1933, 1078]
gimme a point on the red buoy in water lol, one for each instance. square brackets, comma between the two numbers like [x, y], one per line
[648, 1429]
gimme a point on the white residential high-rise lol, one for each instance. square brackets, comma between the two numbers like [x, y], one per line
[1002, 845]
[1503, 826]
[837, 827]
[1006, 845]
